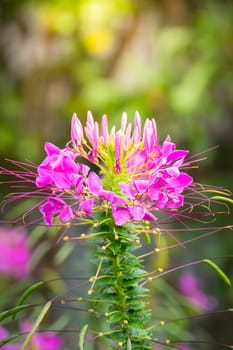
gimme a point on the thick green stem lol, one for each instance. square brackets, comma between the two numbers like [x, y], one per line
[118, 284]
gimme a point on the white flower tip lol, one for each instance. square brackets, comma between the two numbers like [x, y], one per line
[76, 130]
[123, 121]
[137, 115]
[90, 118]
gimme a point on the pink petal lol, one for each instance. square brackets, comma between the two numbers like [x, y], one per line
[137, 212]
[126, 190]
[66, 214]
[94, 183]
[87, 205]
[120, 215]
[180, 182]
[149, 216]
[141, 185]
[51, 149]
[176, 155]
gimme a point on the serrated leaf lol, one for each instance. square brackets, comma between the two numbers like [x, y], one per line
[26, 294]
[82, 337]
[39, 319]
[219, 271]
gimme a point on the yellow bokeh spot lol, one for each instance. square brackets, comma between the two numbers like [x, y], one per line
[98, 42]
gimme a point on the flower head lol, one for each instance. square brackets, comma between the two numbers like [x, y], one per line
[127, 171]
[138, 175]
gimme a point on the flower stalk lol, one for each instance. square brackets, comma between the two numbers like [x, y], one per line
[117, 283]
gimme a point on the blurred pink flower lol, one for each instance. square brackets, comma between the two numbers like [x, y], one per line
[191, 286]
[15, 255]
[3, 335]
[40, 341]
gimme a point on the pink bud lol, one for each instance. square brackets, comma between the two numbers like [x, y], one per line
[104, 129]
[76, 131]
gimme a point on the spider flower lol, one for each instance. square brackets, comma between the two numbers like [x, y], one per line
[138, 175]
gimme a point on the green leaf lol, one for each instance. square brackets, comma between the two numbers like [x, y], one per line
[82, 337]
[217, 269]
[27, 292]
[13, 312]
[36, 325]
[222, 199]
[129, 345]
[117, 316]
[8, 340]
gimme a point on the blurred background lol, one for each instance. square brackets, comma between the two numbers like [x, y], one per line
[168, 59]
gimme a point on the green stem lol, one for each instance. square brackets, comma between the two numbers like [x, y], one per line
[120, 273]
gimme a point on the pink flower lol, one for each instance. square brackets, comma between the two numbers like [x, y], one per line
[42, 341]
[138, 175]
[56, 206]
[3, 335]
[15, 255]
[59, 170]
[190, 286]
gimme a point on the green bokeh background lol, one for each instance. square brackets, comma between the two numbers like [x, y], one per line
[171, 60]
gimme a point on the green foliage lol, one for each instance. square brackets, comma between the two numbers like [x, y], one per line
[12, 312]
[8, 340]
[82, 337]
[219, 271]
[28, 292]
[117, 280]
[37, 323]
